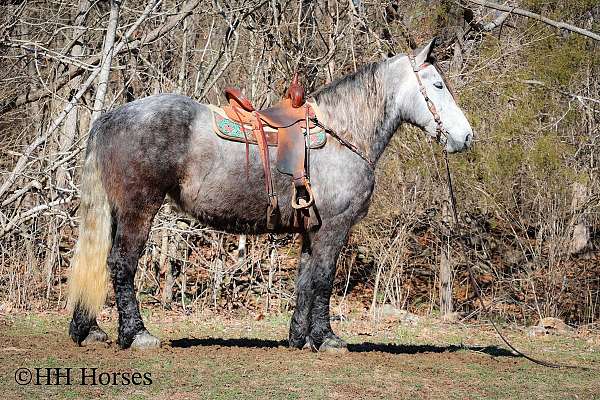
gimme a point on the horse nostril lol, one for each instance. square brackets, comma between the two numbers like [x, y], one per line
[468, 138]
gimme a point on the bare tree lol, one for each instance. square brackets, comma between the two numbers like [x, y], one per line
[107, 55]
[446, 274]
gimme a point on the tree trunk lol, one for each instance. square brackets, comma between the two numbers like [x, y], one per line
[218, 272]
[445, 288]
[183, 66]
[241, 250]
[107, 53]
[272, 265]
[168, 250]
[580, 237]
[70, 129]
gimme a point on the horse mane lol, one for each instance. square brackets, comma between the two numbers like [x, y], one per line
[353, 106]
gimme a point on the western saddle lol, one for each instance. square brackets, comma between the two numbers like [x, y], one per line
[290, 122]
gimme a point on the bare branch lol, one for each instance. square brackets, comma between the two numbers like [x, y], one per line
[124, 44]
[538, 17]
[22, 162]
[32, 213]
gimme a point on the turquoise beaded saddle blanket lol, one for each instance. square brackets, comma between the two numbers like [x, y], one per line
[232, 130]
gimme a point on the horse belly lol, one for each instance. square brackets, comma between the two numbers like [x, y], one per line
[219, 189]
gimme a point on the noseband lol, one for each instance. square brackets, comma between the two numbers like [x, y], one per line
[440, 129]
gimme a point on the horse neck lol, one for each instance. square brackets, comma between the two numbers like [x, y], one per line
[368, 120]
[400, 100]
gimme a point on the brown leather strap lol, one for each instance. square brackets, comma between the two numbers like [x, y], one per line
[273, 215]
[440, 129]
[253, 118]
[246, 141]
[263, 149]
[345, 143]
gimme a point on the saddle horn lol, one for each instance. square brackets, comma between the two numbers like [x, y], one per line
[296, 92]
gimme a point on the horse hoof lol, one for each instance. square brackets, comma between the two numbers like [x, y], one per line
[96, 335]
[310, 345]
[296, 343]
[333, 344]
[144, 340]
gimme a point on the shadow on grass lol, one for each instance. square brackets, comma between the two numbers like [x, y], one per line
[241, 342]
[365, 347]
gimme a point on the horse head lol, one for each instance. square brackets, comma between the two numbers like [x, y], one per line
[433, 104]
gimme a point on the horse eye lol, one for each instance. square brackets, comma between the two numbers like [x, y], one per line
[439, 85]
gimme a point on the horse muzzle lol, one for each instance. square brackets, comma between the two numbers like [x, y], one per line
[454, 145]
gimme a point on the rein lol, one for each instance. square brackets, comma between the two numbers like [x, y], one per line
[344, 142]
[442, 132]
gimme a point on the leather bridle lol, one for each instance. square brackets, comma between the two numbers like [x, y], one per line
[440, 129]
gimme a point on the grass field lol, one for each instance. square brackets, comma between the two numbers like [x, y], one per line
[219, 357]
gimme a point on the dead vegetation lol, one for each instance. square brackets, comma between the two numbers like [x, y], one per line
[229, 357]
[528, 193]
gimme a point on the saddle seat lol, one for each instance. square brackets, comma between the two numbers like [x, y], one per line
[292, 119]
[281, 115]
[285, 113]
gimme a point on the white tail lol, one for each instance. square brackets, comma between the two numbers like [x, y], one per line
[88, 279]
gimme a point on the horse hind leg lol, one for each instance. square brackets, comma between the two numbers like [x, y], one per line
[132, 229]
[114, 227]
[84, 329]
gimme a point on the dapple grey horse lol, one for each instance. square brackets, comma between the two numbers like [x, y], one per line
[164, 145]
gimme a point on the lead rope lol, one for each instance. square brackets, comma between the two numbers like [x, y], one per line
[441, 131]
[485, 309]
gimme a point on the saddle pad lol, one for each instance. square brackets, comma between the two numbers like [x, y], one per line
[231, 130]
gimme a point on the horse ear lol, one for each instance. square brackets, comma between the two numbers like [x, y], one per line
[424, 54]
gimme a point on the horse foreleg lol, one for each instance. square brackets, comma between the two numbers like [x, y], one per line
[325, 253]
[311, 322]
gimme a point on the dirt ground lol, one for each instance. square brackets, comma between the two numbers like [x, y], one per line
[237, 357]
